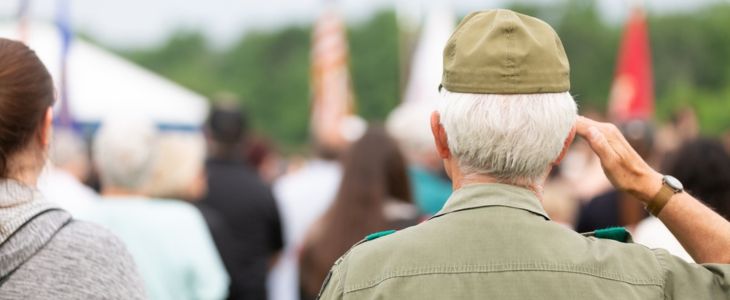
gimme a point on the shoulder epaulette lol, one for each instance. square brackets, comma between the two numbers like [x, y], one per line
[378, 234]
[373, 236]
[618, 234]
[367, 238]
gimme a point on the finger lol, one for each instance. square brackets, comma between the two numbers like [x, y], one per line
[600, 145]
[616, 140]
[623, 150]
[610, 132]
[582, 124]
[600, 136]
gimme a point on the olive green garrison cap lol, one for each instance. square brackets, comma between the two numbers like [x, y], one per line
[503, 52]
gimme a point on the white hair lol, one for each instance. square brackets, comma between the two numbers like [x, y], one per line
[123, 152]
[409, 125]
[179, 162]
[67, 148]
[513, 138]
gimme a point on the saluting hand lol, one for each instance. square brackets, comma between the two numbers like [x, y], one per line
[626, 170]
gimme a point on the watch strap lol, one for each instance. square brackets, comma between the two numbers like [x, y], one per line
[656, 204]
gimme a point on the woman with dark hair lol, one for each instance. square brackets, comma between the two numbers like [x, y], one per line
[44, 254]
[374, 195]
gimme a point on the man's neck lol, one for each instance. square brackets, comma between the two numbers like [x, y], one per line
[461, 180]
[470, 179]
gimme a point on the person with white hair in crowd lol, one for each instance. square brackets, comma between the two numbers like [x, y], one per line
[506, 117]
[408, 124]
[178, 171]
[168, 239]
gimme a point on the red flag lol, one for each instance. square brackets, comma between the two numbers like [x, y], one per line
[632, 93]
[332, 99]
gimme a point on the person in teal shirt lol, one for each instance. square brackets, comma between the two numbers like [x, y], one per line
[168, 239]
[430, 191]
[170, 244]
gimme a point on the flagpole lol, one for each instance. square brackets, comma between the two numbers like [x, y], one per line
[332, 96]
[64, 118]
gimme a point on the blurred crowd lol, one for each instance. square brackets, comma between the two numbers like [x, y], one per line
[580, 196]
[220, 213]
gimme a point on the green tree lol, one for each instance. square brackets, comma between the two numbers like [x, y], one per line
[269, 70]
[183, 58]
[375, 66]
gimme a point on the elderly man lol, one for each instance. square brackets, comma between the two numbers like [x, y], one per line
[505, 119]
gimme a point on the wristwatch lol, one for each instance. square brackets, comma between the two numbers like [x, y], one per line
[670, 186]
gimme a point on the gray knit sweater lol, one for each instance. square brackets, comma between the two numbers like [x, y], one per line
[44, 254]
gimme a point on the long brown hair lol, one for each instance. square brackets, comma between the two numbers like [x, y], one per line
[26, 92]
[374, 171]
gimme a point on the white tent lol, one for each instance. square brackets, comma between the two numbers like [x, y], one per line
[102, 85]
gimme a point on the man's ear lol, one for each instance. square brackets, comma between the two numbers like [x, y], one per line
[439, 136]
[46, 131]
[566, 146]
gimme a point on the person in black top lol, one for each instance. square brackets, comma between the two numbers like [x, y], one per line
[239, 207]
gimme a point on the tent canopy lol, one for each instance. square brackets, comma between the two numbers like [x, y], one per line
[101, 84]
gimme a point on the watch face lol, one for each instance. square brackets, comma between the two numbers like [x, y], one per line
[673, 183]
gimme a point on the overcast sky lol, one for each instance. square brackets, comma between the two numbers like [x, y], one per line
[142, 23]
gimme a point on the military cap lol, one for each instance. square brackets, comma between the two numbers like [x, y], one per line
[503, 52]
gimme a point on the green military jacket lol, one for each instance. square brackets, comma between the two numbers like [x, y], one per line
[495, 241]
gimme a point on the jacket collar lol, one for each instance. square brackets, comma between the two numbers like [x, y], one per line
[492, 194]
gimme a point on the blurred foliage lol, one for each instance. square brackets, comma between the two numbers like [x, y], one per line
[375, 66]
[269, 70]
